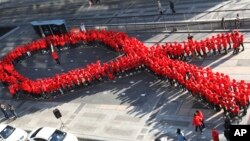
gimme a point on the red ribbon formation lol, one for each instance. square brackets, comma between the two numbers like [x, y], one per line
[216, 88]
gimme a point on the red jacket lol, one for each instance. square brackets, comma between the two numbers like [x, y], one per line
[197, 120]
[200, 114]
[54, 55]
[215, 135]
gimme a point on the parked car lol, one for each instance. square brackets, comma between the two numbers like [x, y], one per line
[10, 133]
[50, 134]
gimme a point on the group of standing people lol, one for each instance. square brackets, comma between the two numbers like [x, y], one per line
[218, 44]
[8, 110]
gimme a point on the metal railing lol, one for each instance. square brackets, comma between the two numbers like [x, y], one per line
[122, 19]
[193, 21]
[181, 26]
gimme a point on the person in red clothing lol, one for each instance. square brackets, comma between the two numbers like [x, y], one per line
[200, 114]
[212, 44]
[197, 122]
[203, 47]
[218, 43]
[55, 56]
[228, 36]
[198, 48]
[224, 43]
[235, 46]
[241, 40]
[235, 110]
[215, 135]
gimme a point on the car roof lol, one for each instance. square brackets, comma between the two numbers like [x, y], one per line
[45, 132]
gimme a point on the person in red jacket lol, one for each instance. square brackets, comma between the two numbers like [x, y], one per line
[228, 36]
[235, 110]
[241, 40]
[224, 42]
[197, 122]
[200, 114]
[235, 46]
[55, 56]
[215, 135]
[212, 44]
[218, 43]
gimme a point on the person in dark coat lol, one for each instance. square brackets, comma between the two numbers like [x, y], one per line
[12, 110]
[171, 5]
[4, 110]
[180, 135]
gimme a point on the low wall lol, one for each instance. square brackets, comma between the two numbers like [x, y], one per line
[170, 26]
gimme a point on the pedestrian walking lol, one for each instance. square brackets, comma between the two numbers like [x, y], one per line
[180, 135]
[4, 110]
[91, 3]
[237, 21]
[241, 41]
[190, 37]
[200, 114]
[197, 122]
[215, 135]
[171, 5]
[12, 110]
[223, 23]
[159, 7]
[82, 27]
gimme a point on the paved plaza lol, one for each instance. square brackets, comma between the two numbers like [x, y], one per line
[136, 107]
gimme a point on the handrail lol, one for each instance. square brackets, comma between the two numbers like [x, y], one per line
[170, 22]
[164, 14]
[171, 26]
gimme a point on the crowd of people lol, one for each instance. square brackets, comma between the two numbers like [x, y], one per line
[217, 89]
[221, 43]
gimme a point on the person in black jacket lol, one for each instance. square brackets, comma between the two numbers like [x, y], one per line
[4, 110]
[171, 4]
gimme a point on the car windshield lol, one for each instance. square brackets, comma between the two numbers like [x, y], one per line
[7, 131]
[57, 136]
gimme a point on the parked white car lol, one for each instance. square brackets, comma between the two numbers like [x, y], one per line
[50, 134]
[10, 133]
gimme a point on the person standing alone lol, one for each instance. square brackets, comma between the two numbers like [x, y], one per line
[12, 110]
[180, 135]
[171, 5]
[4, 110]
[159, 7]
